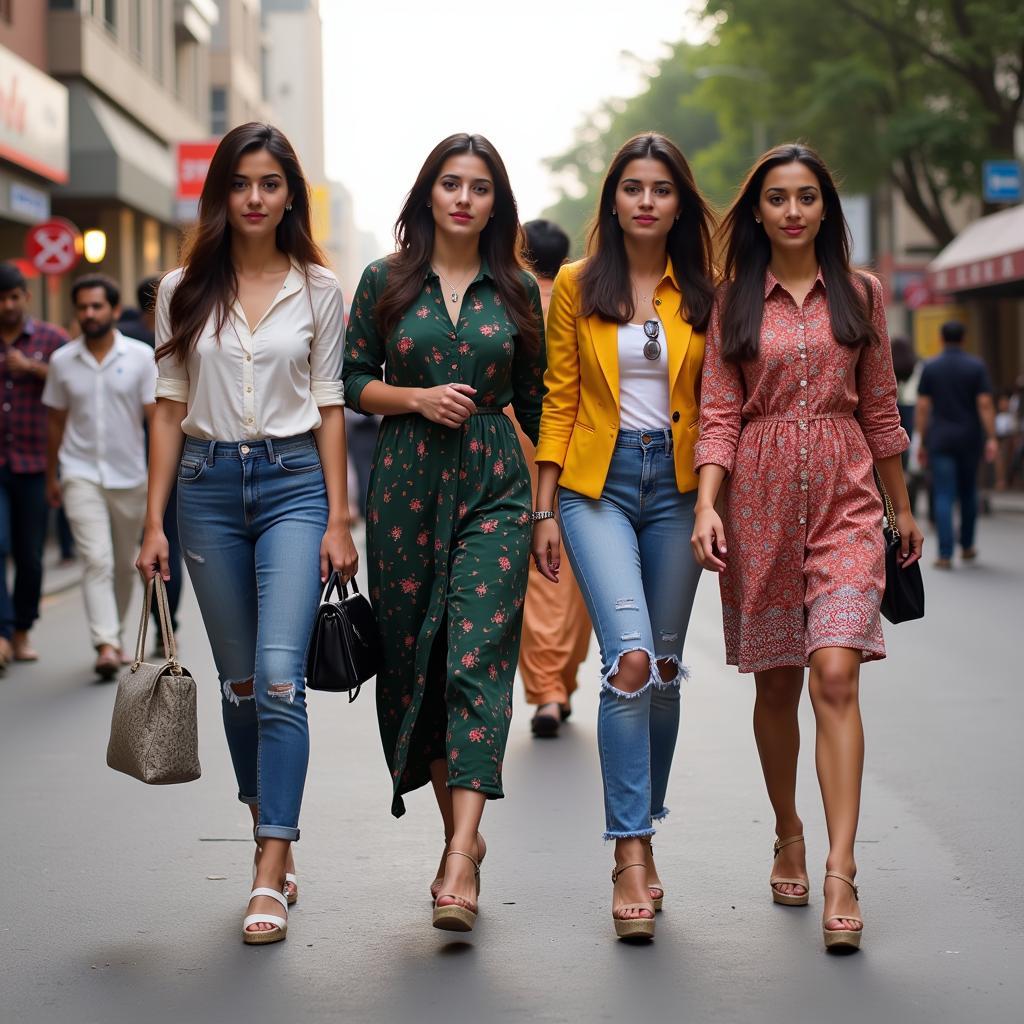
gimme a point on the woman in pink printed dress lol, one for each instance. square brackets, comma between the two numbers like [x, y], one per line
[798, 405]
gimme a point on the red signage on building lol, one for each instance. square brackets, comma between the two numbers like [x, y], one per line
[53, 247]
[193, 163]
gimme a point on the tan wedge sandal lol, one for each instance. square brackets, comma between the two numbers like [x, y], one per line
[657, 890]
[842, 938]
[785, 899]
[632, 927]
[435, 885]
[453, 917]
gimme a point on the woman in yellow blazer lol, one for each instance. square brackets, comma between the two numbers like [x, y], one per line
[625, 348]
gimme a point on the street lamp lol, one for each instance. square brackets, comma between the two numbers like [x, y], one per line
[94, 245]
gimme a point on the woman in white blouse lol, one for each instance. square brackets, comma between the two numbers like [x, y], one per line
[250, 418]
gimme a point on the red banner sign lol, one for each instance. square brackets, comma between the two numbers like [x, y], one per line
[193, 163]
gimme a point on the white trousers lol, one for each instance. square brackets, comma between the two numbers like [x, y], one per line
[107, 526]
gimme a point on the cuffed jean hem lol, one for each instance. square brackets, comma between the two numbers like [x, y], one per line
[642, 834]
[251, 801]
[276, 832]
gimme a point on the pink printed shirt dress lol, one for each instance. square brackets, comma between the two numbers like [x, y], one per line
[798, 429]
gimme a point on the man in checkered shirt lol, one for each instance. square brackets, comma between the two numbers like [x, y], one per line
[25, 349]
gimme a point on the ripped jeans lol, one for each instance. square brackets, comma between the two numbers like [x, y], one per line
[630, 551]
[251, 516]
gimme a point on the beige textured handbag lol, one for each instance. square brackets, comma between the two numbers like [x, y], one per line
[154, 735]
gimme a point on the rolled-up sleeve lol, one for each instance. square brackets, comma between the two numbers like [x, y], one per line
[326, 354]
[172, 377]
[721, 403]
[364, 347]
[562, 378]
[876, 388]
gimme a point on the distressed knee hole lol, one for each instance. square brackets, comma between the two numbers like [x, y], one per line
[239, 690]
[631, 673]
[192, 556]
[626, 604]
[282, 691]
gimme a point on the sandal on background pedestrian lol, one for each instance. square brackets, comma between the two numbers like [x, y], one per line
[22, 648]
[654, 886]
[842, 938]
[481, 852]
[459, 916]
[784, 898]
[632, 927]
[547, 720]
[262, 936]
[108, 663]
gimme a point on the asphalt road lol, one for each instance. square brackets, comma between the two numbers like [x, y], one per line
[123, 902]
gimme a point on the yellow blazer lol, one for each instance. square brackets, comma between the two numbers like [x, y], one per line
[580, 419]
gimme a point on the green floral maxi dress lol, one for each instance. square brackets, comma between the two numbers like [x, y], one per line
[448, 529]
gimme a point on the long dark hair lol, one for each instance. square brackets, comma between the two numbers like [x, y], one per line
[209, 284]
[748, 253]
[501, 242]
[605, 286]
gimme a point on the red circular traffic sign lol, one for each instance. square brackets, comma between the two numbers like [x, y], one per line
[53, 247]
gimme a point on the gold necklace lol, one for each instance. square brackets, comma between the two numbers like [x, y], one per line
[454, 297]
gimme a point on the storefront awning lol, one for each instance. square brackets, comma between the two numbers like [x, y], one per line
[986, 254]
[113, 158]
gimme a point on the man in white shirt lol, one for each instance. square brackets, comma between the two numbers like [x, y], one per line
[99, 393]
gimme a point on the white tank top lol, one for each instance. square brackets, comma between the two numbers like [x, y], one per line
[643, 382]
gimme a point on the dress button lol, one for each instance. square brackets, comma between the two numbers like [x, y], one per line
[803, 451]
[803, 519]
[803, 383]
[803, 401]
[803, 355]
[675, 417]
[248, 358]
[803, 487]
[248, 391]
[250, 420]
[657, 302]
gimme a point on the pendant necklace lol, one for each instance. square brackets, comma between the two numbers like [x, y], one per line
[454, 296]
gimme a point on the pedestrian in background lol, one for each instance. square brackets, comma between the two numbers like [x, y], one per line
[443, 335]
[26, 346]
[625, 347]
[100, 392]
[956, 421]
[1007, 429]
[249, 417]
[798, 409]
[142, 325]
[556, 626]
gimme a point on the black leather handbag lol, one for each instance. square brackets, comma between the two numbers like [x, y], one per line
[344, 648]
[903, 599]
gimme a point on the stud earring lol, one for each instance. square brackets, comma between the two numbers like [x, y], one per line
[614, 214]
[288, 207]
[757, 220]
[428, 203]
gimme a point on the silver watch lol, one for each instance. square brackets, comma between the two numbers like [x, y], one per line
[538, 516]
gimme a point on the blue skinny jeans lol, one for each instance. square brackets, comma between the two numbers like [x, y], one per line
[630, 551]
[955, 481]
[251, 516]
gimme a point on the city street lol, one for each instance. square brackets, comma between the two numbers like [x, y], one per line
[124, 902]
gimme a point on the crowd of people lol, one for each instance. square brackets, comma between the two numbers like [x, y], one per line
[648, 414]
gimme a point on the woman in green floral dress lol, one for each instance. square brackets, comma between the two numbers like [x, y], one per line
[443, 335]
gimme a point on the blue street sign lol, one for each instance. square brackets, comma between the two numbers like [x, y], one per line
[1001, 181]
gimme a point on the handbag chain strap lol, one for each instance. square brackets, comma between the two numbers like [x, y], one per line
[890, 512]
[166, 633]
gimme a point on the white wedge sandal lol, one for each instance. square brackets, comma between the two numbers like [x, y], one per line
[265, 935]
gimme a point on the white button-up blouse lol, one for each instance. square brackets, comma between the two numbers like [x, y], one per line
[267, 382]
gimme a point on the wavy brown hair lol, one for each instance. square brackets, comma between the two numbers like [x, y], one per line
[501, 242]
[209, 284]
[748, 253]
[605, 287]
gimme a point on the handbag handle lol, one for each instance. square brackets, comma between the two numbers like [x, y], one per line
[164, 615]
[890, 512]
[334, 582]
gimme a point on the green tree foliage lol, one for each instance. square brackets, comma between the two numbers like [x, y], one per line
[914, 92]
[664, 105]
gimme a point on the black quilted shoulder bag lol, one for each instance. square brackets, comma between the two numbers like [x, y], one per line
[344, 648]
